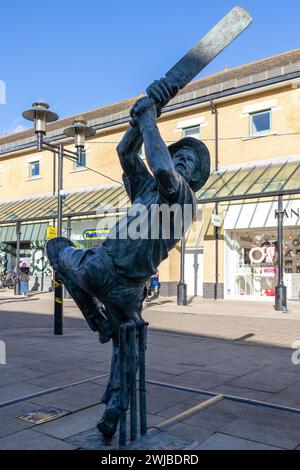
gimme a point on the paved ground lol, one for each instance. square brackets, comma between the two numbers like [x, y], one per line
[201, 359]
[229, 319]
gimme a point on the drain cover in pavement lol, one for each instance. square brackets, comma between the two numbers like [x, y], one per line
[43, 415]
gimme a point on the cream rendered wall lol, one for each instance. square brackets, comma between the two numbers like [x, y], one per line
[102, 156]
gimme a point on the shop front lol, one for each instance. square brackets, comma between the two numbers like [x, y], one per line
[85, 233]
[87, 217]
[32, 251]
[251, 250]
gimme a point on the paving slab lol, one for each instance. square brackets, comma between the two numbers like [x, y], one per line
[31, 440]
[244, 392]
[158, 376]
[217, 416]
[273, 427]
[63, 378]
[158, 399]
[290, 396]
[73, 398]
[219, 441]
[74, 423]
[10, 374]
[182, 406]
[266, 380]
[239, 366]
[195, 433]
[51, 367]
[201, 378]
[10, 423]
[17, 390]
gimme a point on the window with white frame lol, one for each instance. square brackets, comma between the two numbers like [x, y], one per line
[191, 132]
[260, 122]
[34, 169]
[80, 164]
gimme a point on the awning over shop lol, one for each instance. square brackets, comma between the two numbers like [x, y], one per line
[254, 181]
[30, 232]
[88, 202]
[274, 178]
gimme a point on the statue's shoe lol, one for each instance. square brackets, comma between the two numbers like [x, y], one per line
[54, 248]
[109, 422]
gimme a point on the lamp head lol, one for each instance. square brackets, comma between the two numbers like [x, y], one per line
[79, 131]
[40, 115]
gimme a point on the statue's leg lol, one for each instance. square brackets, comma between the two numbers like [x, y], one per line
[94, 273]
[89, 305]
[91, 309]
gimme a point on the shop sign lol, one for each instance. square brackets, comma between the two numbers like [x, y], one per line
[259, 255]
[94, 234]
[265, 272]
[246, 239]
[216, 220]
[289, 215]
[51, 232]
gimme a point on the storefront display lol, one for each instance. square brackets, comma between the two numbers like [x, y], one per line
[85, 233]
[251, 254]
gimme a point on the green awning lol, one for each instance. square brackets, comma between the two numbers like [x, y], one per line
[29, 232]
[251, 182]
[85, 202]
[238, 183]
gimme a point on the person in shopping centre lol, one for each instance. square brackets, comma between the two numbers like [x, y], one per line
[23, 278]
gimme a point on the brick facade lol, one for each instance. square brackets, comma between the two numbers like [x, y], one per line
[209, 290]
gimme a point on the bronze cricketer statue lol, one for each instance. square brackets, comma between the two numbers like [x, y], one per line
[107, 282]
[115, 273]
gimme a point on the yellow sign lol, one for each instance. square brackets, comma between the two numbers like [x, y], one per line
[94, 234]
[51, 232]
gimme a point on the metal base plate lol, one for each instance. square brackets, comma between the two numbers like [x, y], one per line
[154, 440]
[43, 415]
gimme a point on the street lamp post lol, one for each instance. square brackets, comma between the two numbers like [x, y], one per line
[182, 287]
[280, 289]
[19, 234]
[215, 112]
[41, 115]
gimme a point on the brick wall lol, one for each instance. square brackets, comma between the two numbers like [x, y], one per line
[209, 290]
[168, 289]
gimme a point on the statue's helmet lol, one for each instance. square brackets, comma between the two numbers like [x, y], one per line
[202, 160]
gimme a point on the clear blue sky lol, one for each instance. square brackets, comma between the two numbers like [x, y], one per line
[81, 55]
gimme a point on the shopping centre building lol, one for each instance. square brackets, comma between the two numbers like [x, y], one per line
[248, 116]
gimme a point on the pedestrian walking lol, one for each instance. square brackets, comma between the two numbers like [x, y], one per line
[23, 278]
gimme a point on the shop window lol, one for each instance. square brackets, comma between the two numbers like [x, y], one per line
[34, 169]
[191, 132]
[260, 123]
[80, 164]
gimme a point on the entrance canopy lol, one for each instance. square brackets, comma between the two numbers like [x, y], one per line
[79, 203]
[262, 179]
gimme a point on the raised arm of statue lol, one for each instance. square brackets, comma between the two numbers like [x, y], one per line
[129, 147]
[144, 115]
